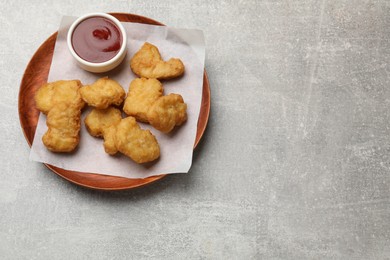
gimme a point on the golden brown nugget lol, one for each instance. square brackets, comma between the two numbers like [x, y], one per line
[63, 122]
[101, 123]
[109, 135]
[62, 91]
[167, 112]
[142, 94]
[99, 119]
[103, 93]
[147, 63]
[138, 144]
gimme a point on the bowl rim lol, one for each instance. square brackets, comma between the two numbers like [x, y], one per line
[97, 64]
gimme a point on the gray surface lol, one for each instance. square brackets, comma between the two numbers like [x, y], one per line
[294, 164]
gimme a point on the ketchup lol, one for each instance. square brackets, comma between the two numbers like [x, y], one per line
[96, 39]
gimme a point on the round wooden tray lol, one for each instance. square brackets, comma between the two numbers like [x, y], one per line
[36, 74]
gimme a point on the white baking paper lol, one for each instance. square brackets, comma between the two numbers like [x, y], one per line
[176, 147]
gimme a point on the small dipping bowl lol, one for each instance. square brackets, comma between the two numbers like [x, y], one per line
[97, 41]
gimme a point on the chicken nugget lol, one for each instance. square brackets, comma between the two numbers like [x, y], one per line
[99, 119]
[147, 62]
[109, 135]
[103, 93]
[63, 122]
[101, 123]
[167, 112]
[62, 91]
[138, 144]
[142, 94]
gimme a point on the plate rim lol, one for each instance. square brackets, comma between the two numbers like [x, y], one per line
[204, 112]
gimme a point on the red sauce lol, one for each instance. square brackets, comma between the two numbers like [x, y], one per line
[96, 39]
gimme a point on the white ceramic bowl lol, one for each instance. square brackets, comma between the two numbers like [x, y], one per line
[101, 66]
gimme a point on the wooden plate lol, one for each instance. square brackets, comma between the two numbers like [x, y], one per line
[36, 74]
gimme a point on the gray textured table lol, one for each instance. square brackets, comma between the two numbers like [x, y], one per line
[294, 164]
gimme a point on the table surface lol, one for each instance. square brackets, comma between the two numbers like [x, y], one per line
[294, 163]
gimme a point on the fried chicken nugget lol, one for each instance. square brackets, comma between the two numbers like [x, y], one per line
[99, 119]
[101, 123]
[103, 93]
[142, 94]
[109, 135]
[167, 112]
[62, 103]
[147, 62]
[63, 122]
[138, 144]
[62, 91]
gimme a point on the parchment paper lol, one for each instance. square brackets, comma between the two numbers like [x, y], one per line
[176, 147]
